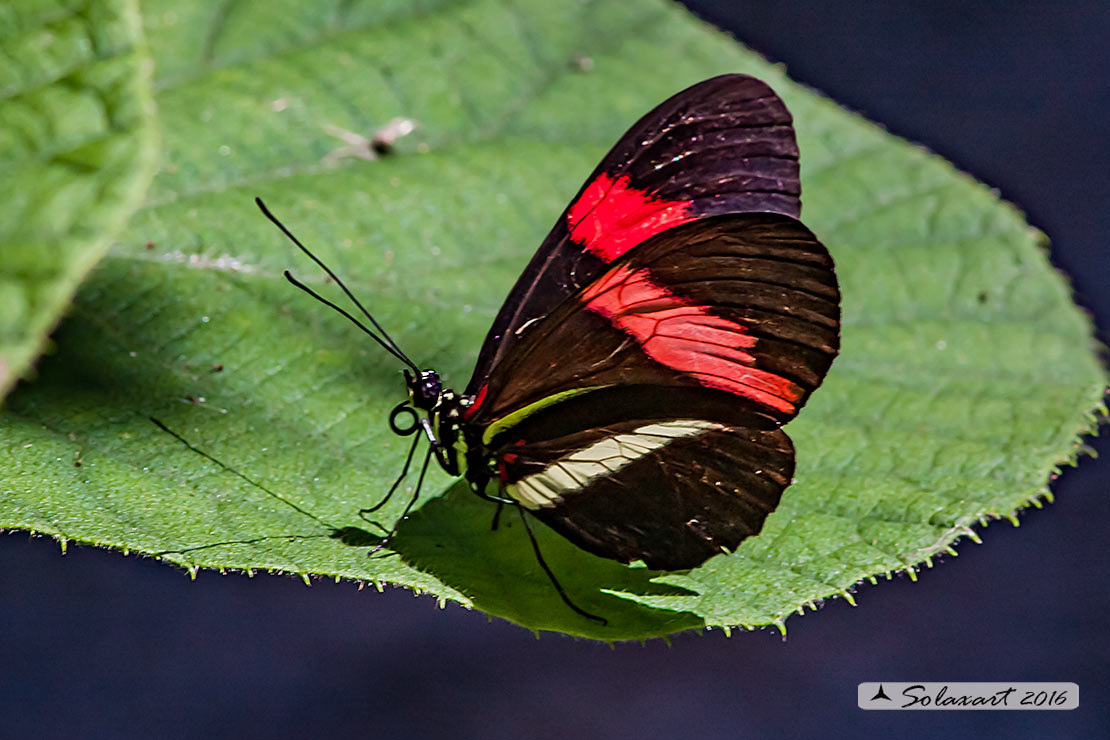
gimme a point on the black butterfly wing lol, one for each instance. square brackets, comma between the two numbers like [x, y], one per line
[632, 389]
[641, 419]
[725, 145]
[630, 473]
[744, 304]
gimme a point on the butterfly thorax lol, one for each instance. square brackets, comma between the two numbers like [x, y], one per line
[456, 443]
[438, 411]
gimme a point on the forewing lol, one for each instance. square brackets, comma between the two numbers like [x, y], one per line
[743, 304]
[725, 145]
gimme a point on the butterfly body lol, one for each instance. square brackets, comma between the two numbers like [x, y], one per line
[632, 389]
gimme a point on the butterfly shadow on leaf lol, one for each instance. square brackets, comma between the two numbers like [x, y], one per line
[452, 538]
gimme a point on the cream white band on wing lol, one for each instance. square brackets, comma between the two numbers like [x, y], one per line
[602, 458]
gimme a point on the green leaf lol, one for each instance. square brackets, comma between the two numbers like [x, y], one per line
[966, 376]
[77, 148]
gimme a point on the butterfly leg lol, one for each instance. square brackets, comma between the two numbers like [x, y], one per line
[496, 516]
[408, 507]
[404, 471]
[551, 576]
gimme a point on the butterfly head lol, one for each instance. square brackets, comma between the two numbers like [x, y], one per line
[425, 389]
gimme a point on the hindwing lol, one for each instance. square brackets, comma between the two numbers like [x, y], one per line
[670, 479]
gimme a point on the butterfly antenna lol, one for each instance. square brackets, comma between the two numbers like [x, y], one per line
[385, 340]
[551, 576]
[395, 352]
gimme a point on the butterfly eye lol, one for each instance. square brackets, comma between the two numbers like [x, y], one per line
[428, 390]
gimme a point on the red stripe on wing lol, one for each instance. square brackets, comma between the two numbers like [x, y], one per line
[611, 217]
[677, 333]
[479, 397]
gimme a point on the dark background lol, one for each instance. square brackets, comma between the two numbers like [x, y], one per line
[94, 644]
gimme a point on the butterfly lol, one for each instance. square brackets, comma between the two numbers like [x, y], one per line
[632, 390]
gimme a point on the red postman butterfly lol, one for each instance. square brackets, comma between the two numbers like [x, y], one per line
[632, 389]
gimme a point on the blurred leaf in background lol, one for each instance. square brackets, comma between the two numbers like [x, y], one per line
[77, 149]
